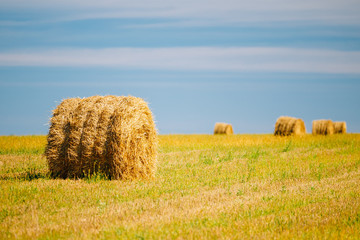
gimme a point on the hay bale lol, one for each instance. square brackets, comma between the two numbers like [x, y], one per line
[57, 138]
[131, 143]
[322, 127]
[98, 154]
[93, 137]
[74, 146]
[286, 126]
[115, 136]
[340, 127]
[223, 128]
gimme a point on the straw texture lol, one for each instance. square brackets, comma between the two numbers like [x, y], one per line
[223, 128]
[115, 136]
[57, 139]
[286, 126]
[340, 127]
[323, 127]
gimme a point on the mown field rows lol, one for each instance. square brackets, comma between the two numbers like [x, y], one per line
[217, 187]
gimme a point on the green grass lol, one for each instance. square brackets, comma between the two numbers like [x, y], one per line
[207, 187]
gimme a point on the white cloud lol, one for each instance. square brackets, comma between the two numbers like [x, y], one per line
[205, 11]
[238, 59]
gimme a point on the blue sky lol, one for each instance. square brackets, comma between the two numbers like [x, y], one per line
[195, 62]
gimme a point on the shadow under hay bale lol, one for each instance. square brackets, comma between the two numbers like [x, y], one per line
[286, 126]
[339, 127]
[323, 127]
[113, 136]
[223, 128]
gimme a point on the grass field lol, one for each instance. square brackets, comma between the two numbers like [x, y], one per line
[207, 187]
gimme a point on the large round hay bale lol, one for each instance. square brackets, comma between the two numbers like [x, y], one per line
[340, 127]
[113, 136]
[57, 139]
[223, 128]
[286, 126]
[322, 127]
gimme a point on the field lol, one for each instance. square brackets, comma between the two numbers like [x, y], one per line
[207, 187]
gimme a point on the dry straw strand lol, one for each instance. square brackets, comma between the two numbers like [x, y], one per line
[340, 127]
[286, 126]
[112, 135]
[131, 147]
[102, 133]
[223, 128]
[323, 127]
[73, 157]
[58, 136]
[90, 164]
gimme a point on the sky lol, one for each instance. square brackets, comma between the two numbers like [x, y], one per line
[195, 62]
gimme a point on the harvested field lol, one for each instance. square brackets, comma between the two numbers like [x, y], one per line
[206, 186]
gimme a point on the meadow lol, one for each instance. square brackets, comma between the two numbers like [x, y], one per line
[206, 187]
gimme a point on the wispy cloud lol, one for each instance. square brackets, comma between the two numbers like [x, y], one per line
[201, 11]
[238, 59]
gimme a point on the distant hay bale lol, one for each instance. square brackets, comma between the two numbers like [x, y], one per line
[223, 128]
[114, 136]
[340, 127]
[322, 127]
[286, 126]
